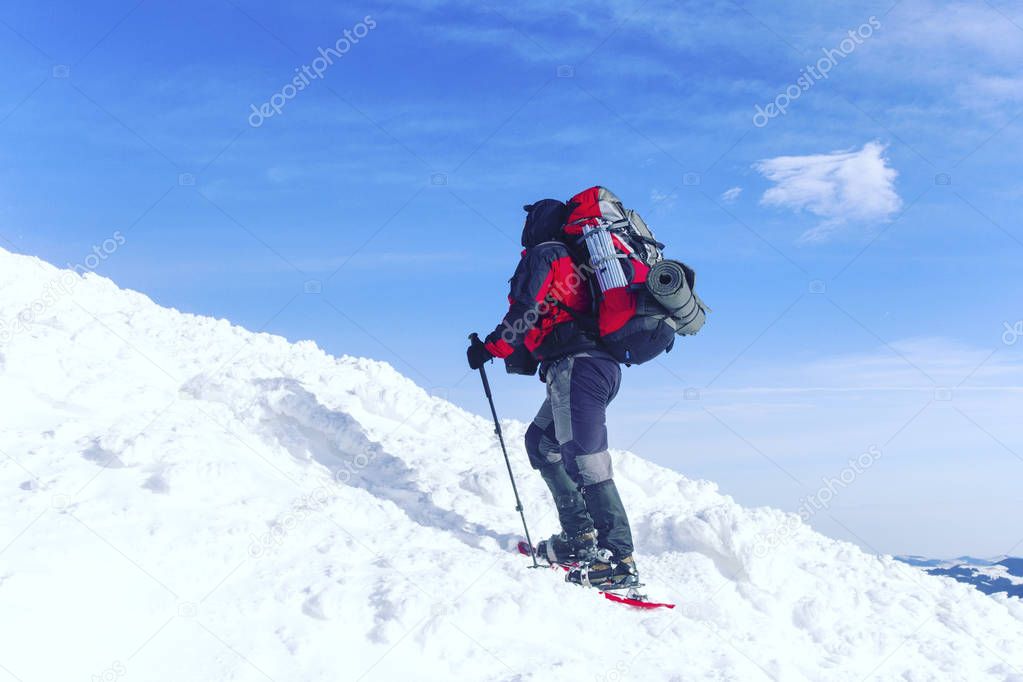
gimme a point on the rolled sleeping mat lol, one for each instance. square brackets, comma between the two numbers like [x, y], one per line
[670, 283]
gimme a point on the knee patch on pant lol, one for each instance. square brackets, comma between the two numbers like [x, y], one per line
[542, 446]
[591, 469]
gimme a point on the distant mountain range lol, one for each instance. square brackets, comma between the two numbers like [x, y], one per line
[990, 576]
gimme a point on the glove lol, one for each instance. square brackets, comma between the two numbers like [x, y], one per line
[477, 354]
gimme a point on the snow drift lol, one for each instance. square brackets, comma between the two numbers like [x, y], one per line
[186, 500]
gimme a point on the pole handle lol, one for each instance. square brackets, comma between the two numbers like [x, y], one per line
[474, 337]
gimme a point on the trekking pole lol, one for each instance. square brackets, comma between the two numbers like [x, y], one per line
[507, 462]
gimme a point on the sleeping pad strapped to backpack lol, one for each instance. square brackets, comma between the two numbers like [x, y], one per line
[642, 300]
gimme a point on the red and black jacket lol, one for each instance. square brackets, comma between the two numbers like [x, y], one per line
[550, 315]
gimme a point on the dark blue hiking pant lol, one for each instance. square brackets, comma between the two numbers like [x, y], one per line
[567, 444]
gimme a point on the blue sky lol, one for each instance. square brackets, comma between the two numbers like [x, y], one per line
[860, 250]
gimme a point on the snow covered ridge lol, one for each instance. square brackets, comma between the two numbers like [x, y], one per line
[1003, 575]
[183, 499]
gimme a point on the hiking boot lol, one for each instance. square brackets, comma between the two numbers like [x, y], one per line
[560, 549]
[605, 572]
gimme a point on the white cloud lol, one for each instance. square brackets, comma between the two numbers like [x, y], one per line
[662, 201]
[839, 187]
[921, 363]
[730, 195]
[979, 91]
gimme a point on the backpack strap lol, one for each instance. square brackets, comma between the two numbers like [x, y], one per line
[648, 240]
[586, 323]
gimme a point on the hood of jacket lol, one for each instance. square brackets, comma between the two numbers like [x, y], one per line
[544, 221]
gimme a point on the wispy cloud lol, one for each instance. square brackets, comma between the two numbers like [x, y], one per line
[980, 91]
[663, 200]
[730, 195]
[920, 362]
[840, 187]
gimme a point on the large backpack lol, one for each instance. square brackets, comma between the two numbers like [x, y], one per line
[641, 300]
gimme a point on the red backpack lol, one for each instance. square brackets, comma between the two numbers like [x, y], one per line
[641, 300]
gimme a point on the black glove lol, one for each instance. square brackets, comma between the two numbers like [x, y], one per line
[477, 354]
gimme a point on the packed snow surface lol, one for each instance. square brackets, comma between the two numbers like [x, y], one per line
[187, 500]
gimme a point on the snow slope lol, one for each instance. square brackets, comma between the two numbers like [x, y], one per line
[186, 500]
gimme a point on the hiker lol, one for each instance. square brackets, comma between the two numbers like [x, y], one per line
[550, 325]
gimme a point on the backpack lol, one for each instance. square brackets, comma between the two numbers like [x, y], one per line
[641, 300]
